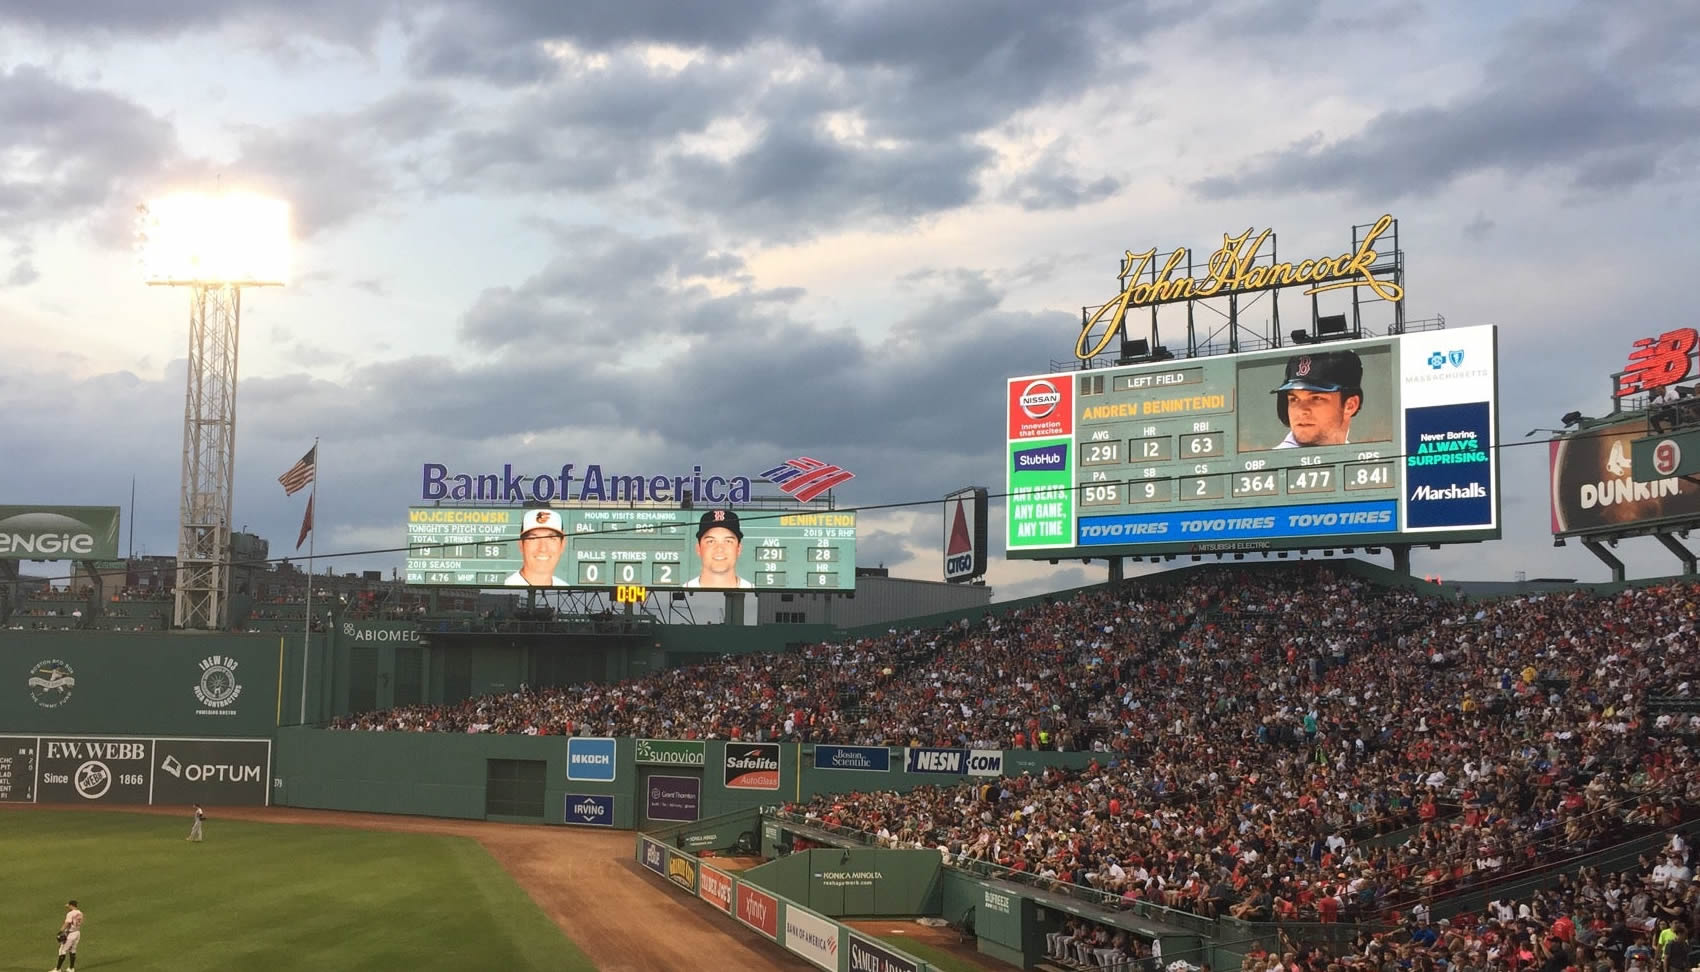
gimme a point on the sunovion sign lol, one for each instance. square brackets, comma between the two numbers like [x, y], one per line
[58, 532]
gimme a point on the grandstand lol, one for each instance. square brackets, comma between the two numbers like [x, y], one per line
[1275, 747]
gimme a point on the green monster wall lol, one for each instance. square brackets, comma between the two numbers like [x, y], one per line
[76, 682]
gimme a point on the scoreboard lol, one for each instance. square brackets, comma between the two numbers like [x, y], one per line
[611, 548]
[1380, 440]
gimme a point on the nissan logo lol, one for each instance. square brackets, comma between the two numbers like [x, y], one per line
[1039, 399]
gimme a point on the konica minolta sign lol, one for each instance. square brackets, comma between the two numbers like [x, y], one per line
[58, 532]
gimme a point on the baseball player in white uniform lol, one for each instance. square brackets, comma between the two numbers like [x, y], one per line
[195, 828]
[541, 543]
[70, 933]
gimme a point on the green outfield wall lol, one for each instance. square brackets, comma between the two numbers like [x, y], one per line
[867, 882]
[650, 783]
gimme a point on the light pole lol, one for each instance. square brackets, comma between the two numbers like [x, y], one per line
[215, 246]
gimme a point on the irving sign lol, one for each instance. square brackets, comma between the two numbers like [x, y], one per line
[1234, 269]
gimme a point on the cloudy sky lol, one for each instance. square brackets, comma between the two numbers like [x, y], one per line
[652, 234]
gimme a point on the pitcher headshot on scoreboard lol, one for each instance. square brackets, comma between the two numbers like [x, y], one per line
[720, 539]
[542, 541]
[1321, 394]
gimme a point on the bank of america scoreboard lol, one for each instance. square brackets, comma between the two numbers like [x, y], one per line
[652, 548]
[1251, 452]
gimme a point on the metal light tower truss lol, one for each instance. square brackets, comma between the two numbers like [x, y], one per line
[214, 246]
[209, 457]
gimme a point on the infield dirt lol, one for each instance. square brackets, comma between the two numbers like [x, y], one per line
[587, 882]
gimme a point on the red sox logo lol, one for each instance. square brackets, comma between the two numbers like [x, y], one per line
[1304, 366]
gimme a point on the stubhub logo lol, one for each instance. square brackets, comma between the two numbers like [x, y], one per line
[1049, 457]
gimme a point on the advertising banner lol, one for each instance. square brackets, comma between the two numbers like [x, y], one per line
[926, 759]
[89, 769]
[867, 955]
[811, 936]
[1448, 386]
[682, 870]
[671, 752]
[590, 759]
[58, 532]
[654, 857]
[869, 758]
[589, 810]
[752, 766]
[212, 772]
[673, 798]
[715, 887]
[217, 686]
[1594, 488]
[759, 910]
[985, 762]
[965, 534]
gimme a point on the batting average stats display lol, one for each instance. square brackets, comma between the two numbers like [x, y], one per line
[655, 548]
[1374, 441]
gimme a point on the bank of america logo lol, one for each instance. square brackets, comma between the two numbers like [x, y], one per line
[804, 478]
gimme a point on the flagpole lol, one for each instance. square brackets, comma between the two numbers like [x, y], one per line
[307, 636]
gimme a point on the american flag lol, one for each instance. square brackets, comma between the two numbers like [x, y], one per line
[806, 478]
[300, 474]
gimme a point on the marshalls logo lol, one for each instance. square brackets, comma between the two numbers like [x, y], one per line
[51, 682]
[218, 688]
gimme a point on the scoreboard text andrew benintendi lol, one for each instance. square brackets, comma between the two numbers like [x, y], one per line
[1380, 440]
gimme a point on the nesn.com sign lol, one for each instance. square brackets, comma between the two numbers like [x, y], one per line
[590, 758]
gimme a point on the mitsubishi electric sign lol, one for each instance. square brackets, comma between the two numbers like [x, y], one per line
[58, 532]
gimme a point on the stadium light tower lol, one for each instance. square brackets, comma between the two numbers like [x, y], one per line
[215, 246]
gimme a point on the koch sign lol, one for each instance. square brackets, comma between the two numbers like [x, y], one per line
[590, 759]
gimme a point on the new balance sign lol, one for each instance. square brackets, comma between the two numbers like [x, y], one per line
[590, 758]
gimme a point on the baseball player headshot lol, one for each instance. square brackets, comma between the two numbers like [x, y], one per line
[541, 543]
[70, 935]
[719, 541]
[1320, 396]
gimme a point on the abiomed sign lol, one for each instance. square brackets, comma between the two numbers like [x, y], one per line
[58, 532]
[1233, 269]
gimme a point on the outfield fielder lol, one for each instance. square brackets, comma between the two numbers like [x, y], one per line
[195, 828]
[70, 933]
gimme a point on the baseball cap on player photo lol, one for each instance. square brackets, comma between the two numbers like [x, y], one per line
[719, 518]
[1326, 371]
[541, 520]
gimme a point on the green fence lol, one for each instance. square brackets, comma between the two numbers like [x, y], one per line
[789, 924]
[863, 882]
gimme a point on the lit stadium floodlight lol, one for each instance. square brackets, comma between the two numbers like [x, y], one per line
[193, 239]
[214, 245]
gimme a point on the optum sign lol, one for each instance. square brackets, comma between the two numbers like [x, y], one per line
[58, 532]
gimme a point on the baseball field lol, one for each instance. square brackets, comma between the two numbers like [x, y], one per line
[282, 889]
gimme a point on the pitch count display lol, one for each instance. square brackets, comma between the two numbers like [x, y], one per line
[606, 548]
[1374, 441]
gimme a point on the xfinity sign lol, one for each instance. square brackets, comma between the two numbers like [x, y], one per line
[58, 532]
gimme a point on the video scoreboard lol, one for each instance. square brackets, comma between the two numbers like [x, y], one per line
[800, 550]
[1381, 440]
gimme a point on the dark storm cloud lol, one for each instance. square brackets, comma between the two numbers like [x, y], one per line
[606, 285]
[68, 151]
[348, 21]
[1555, 99]
[794, 183]
[1052, 183]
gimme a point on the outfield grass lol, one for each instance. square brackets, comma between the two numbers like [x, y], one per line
[263, 896]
